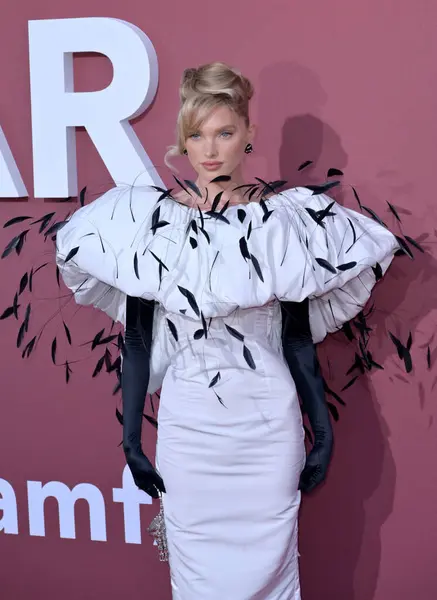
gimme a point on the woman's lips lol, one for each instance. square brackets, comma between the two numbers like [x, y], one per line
[212, 166]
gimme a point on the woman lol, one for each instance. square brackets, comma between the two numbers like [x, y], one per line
[207, 280]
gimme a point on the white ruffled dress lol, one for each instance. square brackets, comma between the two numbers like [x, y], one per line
[230, 436]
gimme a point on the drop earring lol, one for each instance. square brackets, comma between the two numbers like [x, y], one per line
[185, 151]
[248, 149]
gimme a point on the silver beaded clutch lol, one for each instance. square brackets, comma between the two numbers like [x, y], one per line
[158, 532]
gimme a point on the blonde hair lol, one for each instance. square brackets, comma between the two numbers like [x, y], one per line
[202, 89]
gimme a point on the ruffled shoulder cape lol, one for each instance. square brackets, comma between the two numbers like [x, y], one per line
[294, 245]
[289, 245]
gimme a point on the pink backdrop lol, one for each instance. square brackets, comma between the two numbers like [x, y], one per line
[347, 84]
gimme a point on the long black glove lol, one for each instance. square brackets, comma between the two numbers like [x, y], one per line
[134, 382]
[300, 354]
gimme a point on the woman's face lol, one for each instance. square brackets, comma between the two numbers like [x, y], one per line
[218, 147]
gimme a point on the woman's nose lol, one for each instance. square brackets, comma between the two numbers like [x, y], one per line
[210, 150]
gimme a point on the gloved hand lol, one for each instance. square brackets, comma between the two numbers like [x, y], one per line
[300, 354]
[135, 374]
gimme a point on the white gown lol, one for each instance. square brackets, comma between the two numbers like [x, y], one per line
[230, 436]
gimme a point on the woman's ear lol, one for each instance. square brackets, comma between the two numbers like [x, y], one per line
[251, 131]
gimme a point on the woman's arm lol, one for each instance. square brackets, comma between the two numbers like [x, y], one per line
[300, 354]
[135, 374]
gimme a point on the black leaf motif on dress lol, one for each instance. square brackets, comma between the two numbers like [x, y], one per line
[193, 243]
[72, 253]
[249, 230]
[119, 416]
[183, 310]
[267, 215]
[321, 214]
[161, 264]
[27, 317]
[58, 281]
[21, 333]
[136, 265]
[253, 192]
[236, 334]
[241, 215]
[54, 228]
[15, 244]
[218, 398]
[414, 243]
[270, 186]
[164, 193]
[205, 233]
[28, 348]
[82, 196]
[347, 266]
[257, 267]
[53, 351]
[248, 186]
[244, 249]
[151, 420]
[333, 410]
[404, 247]
[68, 371]
[198, 334]
[349, 383]
[205, 328]
[374, 216]
[322, 189]
[353, 233]
[181, 185]
[96, 340]
[218, 216]
[428, 357]
[216, 201]
[99, 366]
[156, 223]
[45, 220]
[373, 363]
[23, 283]
[15, 220]
[224, 207]
[215, 379]
[15, 306]
[248, 357]
[394, 211]
[403, 352]
[326, 265]
[191, 299]
[305, 164]
[193, 186]
[202, 220]
[221, 178]
[173, 329]
[263, 205]
[7, 313]
[358, 364]
[332, 172]
[357, 198]
[377, 270]
[315, 216]
[193, 226]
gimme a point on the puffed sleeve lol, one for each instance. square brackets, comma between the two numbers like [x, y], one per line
[91, 250]
[342, 254]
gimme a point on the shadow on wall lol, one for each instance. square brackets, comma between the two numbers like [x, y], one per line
[341, 522]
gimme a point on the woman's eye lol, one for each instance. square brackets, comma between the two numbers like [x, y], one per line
[194, 136]
[226, 133]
